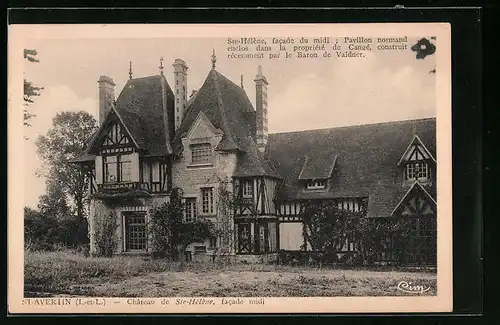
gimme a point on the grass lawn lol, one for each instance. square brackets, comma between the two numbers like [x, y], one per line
[65, 273]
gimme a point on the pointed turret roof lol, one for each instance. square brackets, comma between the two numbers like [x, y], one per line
[227, 107]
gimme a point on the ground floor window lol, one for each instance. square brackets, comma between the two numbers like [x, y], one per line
[256, 237]
[135, 231]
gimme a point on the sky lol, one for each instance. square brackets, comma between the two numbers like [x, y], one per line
[303, 93]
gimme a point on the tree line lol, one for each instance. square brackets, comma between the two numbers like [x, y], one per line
[60, 217]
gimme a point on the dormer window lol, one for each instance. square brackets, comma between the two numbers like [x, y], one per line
[417, 162]
[201, 153]
[417, 170]
[316, 184]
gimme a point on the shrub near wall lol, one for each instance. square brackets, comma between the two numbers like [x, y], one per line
[105, 225]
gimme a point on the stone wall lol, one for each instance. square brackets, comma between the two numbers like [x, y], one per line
[99, 208]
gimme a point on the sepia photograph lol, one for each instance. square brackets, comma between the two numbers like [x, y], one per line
[224, 171]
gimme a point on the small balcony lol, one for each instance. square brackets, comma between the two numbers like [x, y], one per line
[128, 189]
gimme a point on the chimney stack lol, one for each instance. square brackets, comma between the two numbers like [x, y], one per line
[261, 110]
[180, 91]
[106, 96]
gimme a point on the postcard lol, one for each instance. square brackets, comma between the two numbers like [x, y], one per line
[215, 168]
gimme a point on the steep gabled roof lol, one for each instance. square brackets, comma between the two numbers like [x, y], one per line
[416, 187]
[98, 136]
[366, 165]
[140, 106]
[416, 140]
[228, 108]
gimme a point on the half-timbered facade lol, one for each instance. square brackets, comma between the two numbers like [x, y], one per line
[152, 139]
[384, 170]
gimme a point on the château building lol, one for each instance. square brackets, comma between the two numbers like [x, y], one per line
[154, 137]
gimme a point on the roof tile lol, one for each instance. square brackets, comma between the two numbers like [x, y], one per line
[366, 164]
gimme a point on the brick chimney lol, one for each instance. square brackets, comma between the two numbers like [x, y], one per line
[180, 91]
[261, 110]
[106, 96]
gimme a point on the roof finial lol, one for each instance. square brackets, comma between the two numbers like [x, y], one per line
[242, 81]
[161, 65]
[130, 70]
[214, 59]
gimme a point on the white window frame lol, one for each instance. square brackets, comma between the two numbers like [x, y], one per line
[110, 163]
[417, 170]
[316, 184]
[207, 200]
[122, 163]
[117, 166]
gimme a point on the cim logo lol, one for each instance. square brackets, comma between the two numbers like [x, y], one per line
[408, 287]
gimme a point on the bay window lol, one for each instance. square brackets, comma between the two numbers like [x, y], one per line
[117, 168]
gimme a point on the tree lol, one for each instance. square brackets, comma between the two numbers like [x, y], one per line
[30, 90]
[327, 228]
[54, 201]
[105, 230]
[170, 234]
[63, 142]
[40, 232]
[379, 235]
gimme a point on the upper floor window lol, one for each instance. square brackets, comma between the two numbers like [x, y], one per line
[416, 170]
[207, 196]
[316, 184]
[247, 188]
[117, 169]
[190, 209]
[201, 153]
